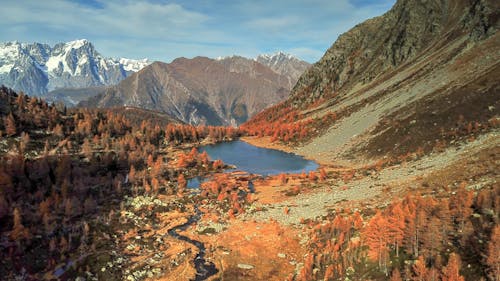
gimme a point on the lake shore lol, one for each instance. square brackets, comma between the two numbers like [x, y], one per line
[265, 142]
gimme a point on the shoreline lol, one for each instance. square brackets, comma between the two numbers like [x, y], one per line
[265, 142]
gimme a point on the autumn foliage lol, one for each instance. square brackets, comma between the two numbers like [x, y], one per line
[230, 193]
[62, 170]
[285, 124]
[416, 238]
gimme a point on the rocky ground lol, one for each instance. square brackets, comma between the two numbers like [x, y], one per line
[378, 188]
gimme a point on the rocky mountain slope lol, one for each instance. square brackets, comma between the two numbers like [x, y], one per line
[225, 91]
[39, 68]
[423, 75]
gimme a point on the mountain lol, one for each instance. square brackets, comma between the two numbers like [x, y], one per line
[39, 68]
[284, 64]
[425, 73]
[224, 91]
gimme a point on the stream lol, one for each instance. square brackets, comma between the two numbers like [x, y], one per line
[247, 158]
[203, 268]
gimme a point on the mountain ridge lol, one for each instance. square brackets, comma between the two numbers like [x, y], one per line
[201, 90]
[37, 69]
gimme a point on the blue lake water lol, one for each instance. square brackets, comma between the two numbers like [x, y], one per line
[257, 160]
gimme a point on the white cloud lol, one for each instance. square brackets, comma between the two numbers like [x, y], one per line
[164, 31]
[130, 18]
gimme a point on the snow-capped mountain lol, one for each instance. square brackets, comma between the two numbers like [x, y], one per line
[284, 64]
[39, 68]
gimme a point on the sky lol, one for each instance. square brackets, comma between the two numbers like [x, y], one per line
[166, 29]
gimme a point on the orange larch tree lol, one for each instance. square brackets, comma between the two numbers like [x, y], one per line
[282, 179]
[376, 236]
[322, 174]
[18, 230]
[10, 125]
[312, 176]
[493, 258]
[396, 224]
[452, 270]
[420, 270]
[204, 159]
[460, 206]
[396, 275]
[181, 183]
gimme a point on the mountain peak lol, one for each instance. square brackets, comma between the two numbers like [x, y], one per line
[284, 64]
[39, 68]
[77, 44]
[133, 65]
[279, 55]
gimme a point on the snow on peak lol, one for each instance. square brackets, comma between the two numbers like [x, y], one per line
[70, 64]
[278, 56]
[77, 44]
[221, 58]
[133, 65]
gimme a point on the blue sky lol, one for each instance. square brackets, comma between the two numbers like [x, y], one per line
[165, 30]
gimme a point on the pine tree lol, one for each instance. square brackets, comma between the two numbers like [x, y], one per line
[18, 230]
[452, 270]
[312, 176]
[4, 206]
[132, 175]
[10, 125]
[420, 270]
[493, 259]
[87, 148]
[322, 174]
[204, 158]
[396, 275]
[376, 237]
[396, 226]
[181, 183]
[283, 179]
[155, 184]
[460, 206]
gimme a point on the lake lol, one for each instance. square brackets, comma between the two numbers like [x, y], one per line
[257, 160]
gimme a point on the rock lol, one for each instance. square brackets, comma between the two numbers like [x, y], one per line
[281, 255]
[245, 266]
